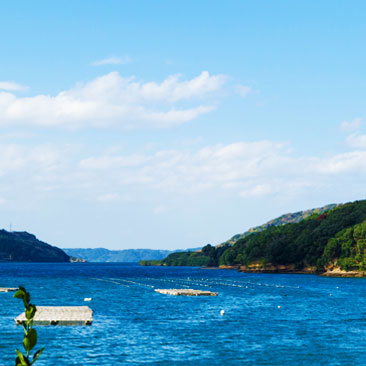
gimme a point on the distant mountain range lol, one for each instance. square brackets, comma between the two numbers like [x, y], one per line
[18, 246]
[127, 255]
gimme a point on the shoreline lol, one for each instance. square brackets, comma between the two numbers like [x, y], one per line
[255, 268]
[336, 272]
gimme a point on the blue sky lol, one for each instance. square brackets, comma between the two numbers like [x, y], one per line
[142, 124]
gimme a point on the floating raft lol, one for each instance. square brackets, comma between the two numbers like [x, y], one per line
[185, 292]
[60, 315]
[8, 289]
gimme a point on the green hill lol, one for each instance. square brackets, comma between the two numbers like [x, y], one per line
[335, 238]
[289, 218]
[24, 247]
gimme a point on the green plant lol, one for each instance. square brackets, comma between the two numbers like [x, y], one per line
[30, 334]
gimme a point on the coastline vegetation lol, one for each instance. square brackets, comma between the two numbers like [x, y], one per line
[18, 246]
[151, 262]
[335, 238]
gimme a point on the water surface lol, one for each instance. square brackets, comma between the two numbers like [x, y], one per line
[269, 319]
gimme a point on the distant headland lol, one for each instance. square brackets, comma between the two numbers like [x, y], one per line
[330, 240]
[20, 246]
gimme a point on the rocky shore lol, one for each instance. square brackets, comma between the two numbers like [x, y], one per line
[290, 269]
[337, 272]
[270, 268]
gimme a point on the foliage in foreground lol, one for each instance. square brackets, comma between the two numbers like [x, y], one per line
[30, 334]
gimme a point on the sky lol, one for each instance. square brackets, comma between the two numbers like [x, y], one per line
[166, 124]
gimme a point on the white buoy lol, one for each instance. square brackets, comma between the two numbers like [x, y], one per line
[222, 312]
[87, 299]
[279, 307]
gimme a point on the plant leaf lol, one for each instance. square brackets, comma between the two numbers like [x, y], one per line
[26, 298]
[36, 355]
[30, 340]
[30, 311]
[21, 358]
[19, 294]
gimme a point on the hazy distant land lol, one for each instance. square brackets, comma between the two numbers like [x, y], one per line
[126, 255]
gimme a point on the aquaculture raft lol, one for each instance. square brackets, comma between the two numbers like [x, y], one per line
[8, 289]
[185, 292]
[60, 315]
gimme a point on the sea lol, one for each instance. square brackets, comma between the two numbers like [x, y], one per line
[269, 319]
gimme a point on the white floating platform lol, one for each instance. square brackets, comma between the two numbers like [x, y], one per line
[60, 315]
[185, 292]
[8, 289]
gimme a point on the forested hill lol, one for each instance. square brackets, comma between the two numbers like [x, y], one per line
[289, 218]
[18, 246]
[336, 238]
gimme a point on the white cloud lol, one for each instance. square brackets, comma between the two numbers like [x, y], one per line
[246, 169]
[114, 100]
[239, 166]
[16, 157]
[29, 172]
[356, 140]
[243, 169]
[350, 162]
[113, 61]
[351, 125]
[172, 90]
[11, 86]
[243, 90]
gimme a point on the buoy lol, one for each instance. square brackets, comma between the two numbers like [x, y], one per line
[222, 312]
[279, 307]
[87, 299]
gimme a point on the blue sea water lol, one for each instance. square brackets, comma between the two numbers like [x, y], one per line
[269, 319]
